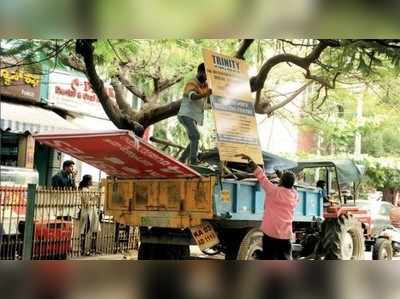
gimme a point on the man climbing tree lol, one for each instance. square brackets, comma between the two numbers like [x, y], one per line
[191, 112]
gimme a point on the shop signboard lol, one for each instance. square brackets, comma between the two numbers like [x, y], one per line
[73, 92]
[18, 83]
[118, 153]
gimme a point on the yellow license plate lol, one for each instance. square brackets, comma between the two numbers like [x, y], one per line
[205, 236]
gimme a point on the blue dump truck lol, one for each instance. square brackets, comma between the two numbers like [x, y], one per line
[222, 211]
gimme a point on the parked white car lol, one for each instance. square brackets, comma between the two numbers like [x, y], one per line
[386, 236]
[380, 214]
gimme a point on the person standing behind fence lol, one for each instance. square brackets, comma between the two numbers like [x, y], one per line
[65, 178]
[89, 215]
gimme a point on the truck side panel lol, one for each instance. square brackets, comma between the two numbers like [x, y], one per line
[310, 206]
[245, 201]
[172, 203]
[239, 200]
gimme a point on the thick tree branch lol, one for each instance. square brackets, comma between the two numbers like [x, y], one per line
[152, 112]
[158, 113]
[257, 82]
[86, 50]
[244, 45]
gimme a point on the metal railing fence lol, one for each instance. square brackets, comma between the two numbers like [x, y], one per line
[48, 223]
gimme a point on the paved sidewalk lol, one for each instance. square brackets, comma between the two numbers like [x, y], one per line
[108, 257]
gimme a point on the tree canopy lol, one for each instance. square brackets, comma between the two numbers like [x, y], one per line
[155, 71]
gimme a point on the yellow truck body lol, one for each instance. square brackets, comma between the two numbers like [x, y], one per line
[169, 203]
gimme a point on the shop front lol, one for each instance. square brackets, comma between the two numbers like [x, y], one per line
[72, 93]
[28, 105]
[23, 114]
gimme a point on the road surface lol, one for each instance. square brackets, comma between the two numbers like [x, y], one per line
[194, 252]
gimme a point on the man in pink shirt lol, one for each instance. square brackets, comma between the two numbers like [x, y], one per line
[280, 203]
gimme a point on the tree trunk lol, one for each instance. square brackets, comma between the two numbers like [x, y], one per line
[392, 195]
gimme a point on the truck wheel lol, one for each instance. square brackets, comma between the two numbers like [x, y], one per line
[148, 251]
[178, 252]
[231, 251]
[231, 247]
[230, 242]
[342, 239]
[251, 247]
[382, 250]
[171, 252]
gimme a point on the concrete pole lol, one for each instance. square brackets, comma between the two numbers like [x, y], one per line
[29, 229]
[359, 117]
[319, 143]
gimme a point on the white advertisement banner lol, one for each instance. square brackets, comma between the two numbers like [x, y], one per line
[73, 92]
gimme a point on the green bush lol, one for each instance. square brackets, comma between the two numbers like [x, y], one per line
[382, 172]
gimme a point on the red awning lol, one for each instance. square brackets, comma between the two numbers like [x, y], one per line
[118, 153]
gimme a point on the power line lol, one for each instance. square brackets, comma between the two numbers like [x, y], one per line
[53, 54]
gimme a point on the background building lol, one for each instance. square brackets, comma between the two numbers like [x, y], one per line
[58, 100]
[23, 113]
[280, 133]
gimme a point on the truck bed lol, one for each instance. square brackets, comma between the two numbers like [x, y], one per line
[183, 203]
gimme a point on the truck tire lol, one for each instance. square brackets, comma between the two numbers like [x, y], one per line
[149, 251]
[146, 251]
[382, 250]
[251, 246]
[342, 238]
[172, 252]
[176, 252]
[231, 251]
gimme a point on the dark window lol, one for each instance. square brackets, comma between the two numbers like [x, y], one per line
[9, 148]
